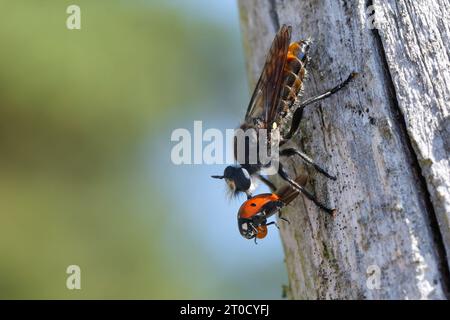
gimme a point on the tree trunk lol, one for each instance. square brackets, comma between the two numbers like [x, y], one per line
[386, 137]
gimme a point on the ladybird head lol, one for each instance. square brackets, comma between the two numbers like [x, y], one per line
[250, 230]
[246, 228]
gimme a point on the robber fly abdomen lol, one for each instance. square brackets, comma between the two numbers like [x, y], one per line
[294, 74]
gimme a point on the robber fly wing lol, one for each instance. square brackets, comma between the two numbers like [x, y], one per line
[255, 107]
[266, 96]
[275, 81]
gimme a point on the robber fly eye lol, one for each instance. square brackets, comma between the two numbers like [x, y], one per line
[239, 176]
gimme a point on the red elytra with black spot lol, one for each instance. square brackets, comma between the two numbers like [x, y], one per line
[254, 205]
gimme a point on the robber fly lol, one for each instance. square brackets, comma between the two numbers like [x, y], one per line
[275, 94]
[253, 213]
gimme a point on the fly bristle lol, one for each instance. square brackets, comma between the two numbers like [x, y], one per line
[231, 193]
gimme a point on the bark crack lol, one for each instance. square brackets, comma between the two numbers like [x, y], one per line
[274, 14]
[415, 166]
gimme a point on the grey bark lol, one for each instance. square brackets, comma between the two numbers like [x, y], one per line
[387, 138]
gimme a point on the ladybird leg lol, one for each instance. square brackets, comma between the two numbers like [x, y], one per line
[274, 223]
[282, 218]
[267, 183]
[283, 174]
[329, 92]
[258, 220]
[272, 207]
[292, 151]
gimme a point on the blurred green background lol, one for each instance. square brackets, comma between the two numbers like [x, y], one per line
[85, 170]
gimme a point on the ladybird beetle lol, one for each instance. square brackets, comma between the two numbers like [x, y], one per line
[253, 214]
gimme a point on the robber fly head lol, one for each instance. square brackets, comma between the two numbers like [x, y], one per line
[237, 178]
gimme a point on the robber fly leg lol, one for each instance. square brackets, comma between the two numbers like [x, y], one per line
[267, 183]
[296, 118]
[298, 187]
[292, 151]
[298, 114]
[329, 92]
